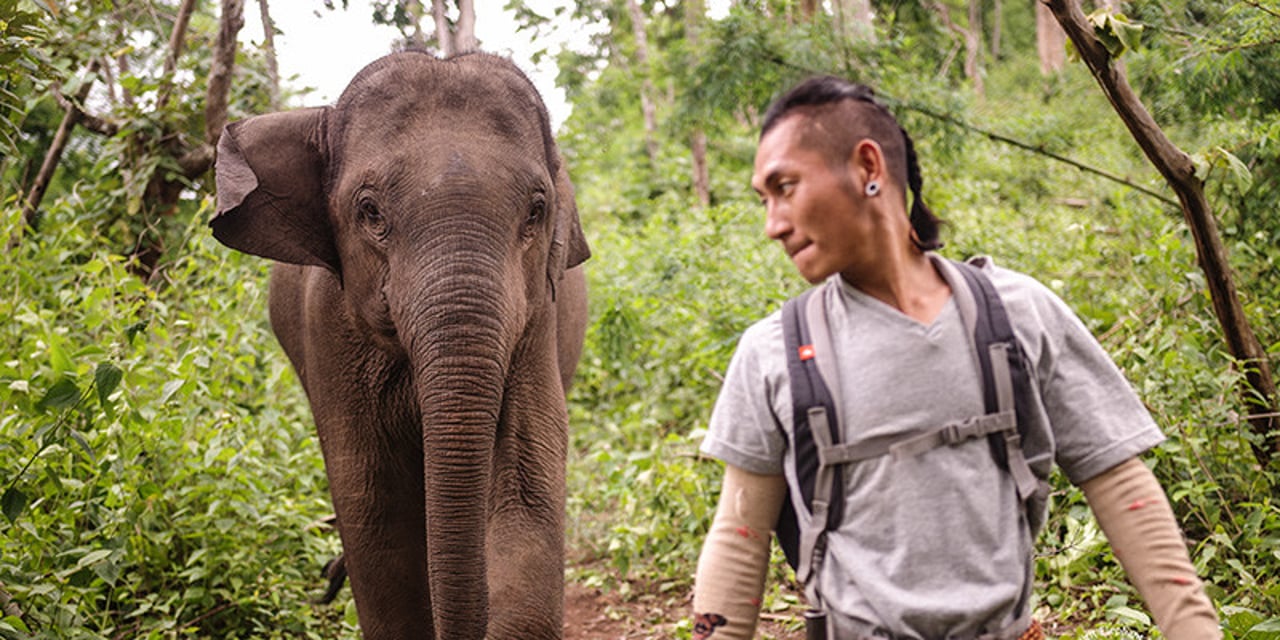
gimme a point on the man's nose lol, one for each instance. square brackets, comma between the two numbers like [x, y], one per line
[776, 223]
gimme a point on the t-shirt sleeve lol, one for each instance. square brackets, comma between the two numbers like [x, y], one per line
[1095, 416]
[744, 430]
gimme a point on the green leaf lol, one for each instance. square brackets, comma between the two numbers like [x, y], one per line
[108, 571]
[1268, 630]
[1115, 31]
[349, 614]
[63, 394]
[13, 503]
[1239, 170]
[171, 387]
[106, 379]
[134, 329]
[15, 623]
[84, 444]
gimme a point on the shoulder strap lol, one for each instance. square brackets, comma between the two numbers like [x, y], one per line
[816, 425]
[1005, 380]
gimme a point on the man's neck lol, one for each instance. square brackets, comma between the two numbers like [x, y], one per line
[905, 280]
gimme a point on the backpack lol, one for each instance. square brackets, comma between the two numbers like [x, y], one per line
[820, 456]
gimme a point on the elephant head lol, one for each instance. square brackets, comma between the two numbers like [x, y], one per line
[426, 223]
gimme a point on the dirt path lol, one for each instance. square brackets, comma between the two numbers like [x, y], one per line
[591, 614]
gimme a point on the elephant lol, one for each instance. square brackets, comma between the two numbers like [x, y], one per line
[428, 290]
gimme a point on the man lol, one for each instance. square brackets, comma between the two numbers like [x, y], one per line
[934, 545]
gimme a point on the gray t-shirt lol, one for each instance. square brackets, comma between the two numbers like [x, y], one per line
[932, 546]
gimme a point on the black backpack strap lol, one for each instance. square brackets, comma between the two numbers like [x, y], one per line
[1005, 378]
[815, 426]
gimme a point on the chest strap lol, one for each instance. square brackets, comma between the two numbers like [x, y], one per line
[820, 456]
[909, 445]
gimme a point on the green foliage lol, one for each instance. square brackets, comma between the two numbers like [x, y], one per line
[158, 467]
[20, 32]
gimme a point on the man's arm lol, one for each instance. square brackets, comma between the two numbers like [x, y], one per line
[1134, 513]
[735, 556]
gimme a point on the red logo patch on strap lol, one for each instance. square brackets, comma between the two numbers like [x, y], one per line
[806, 352]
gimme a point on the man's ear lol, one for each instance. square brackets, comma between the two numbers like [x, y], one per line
[271, 200]
[866, 161]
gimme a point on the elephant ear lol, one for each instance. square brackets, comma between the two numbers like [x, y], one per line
[568, 246]
[271, 200]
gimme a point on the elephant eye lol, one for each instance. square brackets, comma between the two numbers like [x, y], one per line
[371, 217]
[537, 211]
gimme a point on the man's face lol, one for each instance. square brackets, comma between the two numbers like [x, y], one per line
[811, 209]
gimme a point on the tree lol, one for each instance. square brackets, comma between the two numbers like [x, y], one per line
[969, 37]
[1051, 41]
[695, 13]
[173, 150]
[1180, 172]
[650, 110]
[455, 36]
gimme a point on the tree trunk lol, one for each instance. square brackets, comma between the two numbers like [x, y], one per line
[997, 26]
[971, 39]
[695, 12]
[224, 63]
[464, 35]
[855, 19]
[1179, 172]
[647, 106]
[269, 47]
[176, 38]
[973, 48]
[53, 156]
[1051, 41]
[444, 35]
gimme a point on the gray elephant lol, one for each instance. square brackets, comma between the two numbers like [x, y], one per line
[430, 299]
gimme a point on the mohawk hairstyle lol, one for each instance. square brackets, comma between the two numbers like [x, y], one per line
[842, 113]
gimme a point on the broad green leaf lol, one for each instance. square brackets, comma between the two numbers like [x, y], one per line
[108, 571]
[1130, 614]
[63, 394]
[1268, 630]
[84, 444]
[13, 502]
[171, 387]
[106, 378]
[93, 557]
[15, 623]
[1239, 171]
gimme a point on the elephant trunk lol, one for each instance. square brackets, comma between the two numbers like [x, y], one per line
[452, 326]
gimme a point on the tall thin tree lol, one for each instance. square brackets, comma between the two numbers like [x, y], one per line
[1179, 172]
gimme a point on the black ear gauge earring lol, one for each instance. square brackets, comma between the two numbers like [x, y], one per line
[872, 188]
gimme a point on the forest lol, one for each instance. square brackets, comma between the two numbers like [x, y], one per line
[160, 475]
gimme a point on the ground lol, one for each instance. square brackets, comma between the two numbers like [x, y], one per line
[593, 613]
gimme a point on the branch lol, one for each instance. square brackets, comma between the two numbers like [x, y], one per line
[1037, 150]
[71, 117]
[1179, 172]
[176, 38]
[224, 62]
[96, 124]
[269, 47]
[1259, 7]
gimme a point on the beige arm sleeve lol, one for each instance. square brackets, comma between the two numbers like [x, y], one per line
[735, 556]
[1134, 513]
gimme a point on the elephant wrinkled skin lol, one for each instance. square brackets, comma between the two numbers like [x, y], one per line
[429, 296]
